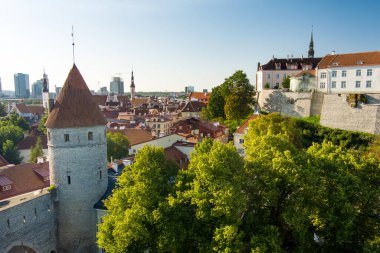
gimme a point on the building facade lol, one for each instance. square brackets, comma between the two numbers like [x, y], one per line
[21, 82]
[117, 85]
[37, 88]
[349, 73]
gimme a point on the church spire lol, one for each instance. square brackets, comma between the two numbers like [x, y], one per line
[45, 83]
[311, 46]
[132, 80]
[133, 92]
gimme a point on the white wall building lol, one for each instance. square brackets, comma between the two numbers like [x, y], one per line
[349, 73]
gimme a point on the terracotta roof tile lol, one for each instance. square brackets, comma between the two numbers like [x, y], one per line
[193, 106]
[31, 140]
[22, 108]
[351, 59]
[75, 106]
[304, 72]
[24, 178]
[135, 136]
[241, 129]
[36, 109]
[200, 96]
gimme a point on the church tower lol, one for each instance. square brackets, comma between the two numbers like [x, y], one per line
[311, 46]
[132, 87]
[47, 99]
[77, 163]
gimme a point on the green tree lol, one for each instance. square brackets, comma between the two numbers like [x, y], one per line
[36, 151]
[15, 120]
[10, 152]
[41, 124]
[135, 209]
[12, 133]
[117, 145]
[216, 104]
[3, 109]
[286, 82]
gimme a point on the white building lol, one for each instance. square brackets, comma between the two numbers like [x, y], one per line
[349, 73]
[272, 73]
[240, 132]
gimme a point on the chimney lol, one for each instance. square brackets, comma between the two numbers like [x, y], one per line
[333, 52]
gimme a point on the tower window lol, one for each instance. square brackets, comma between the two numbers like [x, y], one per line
[8, 223]
[90, 136]
[100, 174]
[67, 137]
[49, 135]
[68, 180]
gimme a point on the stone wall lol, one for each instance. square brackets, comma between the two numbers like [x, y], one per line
[337, 113]
[295, 104]
[28, 220]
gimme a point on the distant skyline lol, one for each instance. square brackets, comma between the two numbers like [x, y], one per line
[171, 44]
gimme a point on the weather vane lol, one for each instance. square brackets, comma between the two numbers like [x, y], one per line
[72, 35]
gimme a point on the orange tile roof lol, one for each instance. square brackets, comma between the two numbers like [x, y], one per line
[135, 136]
[351, 59]
[24, 178]
[241, 129]
[303, 72]
[201, 96]
[75, 105]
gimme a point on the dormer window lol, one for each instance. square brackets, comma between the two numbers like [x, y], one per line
[291, 66]
[277, 66]
[5, 183]
[335, 64]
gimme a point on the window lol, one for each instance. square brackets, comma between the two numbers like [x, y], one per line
[333, 73]
[277, 76]
[241, 141]
[8, 223]
[358, 72]
[158, 125]
[323, 74]
[7, 187]
[284, 75]
[369, 72]
[357, 84]
[67, 137]
[322, 85]
[68, 180]
[268, 76]
[344, 73]
[368, 84]
[333, 84]
[49, 135]
[100, 174]
[343, 84]
[35, 212]
[90, 136]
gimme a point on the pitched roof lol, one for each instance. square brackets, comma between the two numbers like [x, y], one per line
[193, 106]
[24, 178]
[201, 96]
[135, 136]
[351, 59]
[75, 105]
[36, 109]
[271, 65]
[241, 129]
[310, 72]
[22, 108]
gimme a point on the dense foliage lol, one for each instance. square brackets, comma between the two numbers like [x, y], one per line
[117, 145]
[36, 151]
[232, 100]
[287, 194]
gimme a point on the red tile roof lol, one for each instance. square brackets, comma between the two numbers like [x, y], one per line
[22, 108]
[241, 129]
[351, 59]
[75, 105]
[172, 153]
[193, 106]
[36, 109]
[135, 136]
[24, 178]
[305, 72]
[200, 96]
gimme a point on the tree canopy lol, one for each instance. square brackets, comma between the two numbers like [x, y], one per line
[283, 196]
[117, 145]
[36, 151]
[10, 152]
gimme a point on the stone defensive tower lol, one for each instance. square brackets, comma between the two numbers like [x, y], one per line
[77, 163]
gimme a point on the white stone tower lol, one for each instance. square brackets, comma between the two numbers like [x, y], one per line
[47, 98]
[132, 87]
[77, 163]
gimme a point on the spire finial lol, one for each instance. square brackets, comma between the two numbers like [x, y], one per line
[311, 45]
[73, 44]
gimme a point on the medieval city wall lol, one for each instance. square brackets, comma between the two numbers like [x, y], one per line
[28, 220]
[337, 113]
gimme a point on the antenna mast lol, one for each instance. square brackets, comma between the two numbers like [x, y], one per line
[73, 44]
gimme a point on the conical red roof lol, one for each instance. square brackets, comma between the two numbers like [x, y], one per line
[75, 106]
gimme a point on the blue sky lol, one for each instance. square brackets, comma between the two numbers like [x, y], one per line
[174, 43]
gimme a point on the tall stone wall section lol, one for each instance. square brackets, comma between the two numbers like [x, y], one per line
[295, 104]
[30, 223]
[337, 113]
[78, 169]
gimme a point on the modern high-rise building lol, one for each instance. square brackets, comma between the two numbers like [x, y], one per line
[117, 85]
[21, 85]
[189, 89]
[37, 88]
